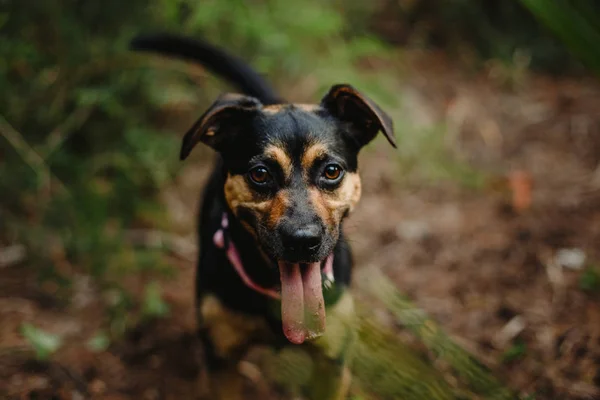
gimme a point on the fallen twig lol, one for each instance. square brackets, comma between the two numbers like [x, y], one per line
[29, 155]
[59, 134]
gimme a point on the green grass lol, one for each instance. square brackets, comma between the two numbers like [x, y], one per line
[589, 280]
[517, 351]
[576, 24]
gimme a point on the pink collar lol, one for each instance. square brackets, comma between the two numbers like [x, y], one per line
[235, 260]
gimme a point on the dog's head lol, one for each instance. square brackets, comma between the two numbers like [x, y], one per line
[292, 173]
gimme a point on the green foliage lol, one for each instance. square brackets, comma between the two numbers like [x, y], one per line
[99, 342]
[515, 352]
[589, 280]
[487, 30]
[44, 344]
[426, 157]
[476, 377]
[120, 306]
[81, 157]
[153, 305]
[314, 39]
[575, 23]
[390, 369]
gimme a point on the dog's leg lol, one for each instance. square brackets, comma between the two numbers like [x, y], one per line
[226, 335]
[330, 380]
[331, 375]
[221, 378]
[228, 384]
[344, 384]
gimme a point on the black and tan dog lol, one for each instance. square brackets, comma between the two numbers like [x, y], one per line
[273, 260]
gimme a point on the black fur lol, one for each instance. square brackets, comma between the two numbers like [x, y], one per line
[222, 64]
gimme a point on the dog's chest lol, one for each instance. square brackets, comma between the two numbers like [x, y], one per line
[231, 332]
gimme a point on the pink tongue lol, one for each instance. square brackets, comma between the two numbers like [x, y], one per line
[302, 304]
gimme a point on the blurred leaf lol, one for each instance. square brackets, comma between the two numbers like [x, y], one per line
[589, 280]
[155, 152]
[388, 368]
[477, 377]
[99, 342]
[577, 24]
[44, 344]
[153, 304]
[515, 352]
[3, 19]
[120, 304]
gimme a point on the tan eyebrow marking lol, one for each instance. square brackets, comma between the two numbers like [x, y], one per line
[311, 154]
[279, 155]
[273, 108]
[307, 107]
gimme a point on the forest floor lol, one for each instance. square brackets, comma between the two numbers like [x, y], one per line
[505, 259]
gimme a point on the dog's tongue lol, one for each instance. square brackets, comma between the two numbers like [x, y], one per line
[302, 304]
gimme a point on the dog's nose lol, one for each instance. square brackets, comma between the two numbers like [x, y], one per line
[303, 239]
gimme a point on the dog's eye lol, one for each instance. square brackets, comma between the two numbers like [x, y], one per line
[259, 175]
[332, 172]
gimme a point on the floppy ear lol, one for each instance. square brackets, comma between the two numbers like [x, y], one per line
[220, 123]
[349, 105]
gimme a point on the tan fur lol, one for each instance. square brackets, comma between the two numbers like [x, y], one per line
[318, 202]
[278, 154]
[349, 192]
[275, 108]
[330, 206]
[308, 107]
[230, 332]
[278, 206]
[311, 154]
[210, 132]
[239, 194]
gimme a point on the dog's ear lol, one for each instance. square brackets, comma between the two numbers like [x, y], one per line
[220, 123]
[349, 105]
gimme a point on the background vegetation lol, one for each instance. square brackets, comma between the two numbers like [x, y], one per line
[89, 134]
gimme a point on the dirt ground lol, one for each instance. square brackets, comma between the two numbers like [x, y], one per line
[489, 264]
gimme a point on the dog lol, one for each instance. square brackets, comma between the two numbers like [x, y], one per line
[273, 262]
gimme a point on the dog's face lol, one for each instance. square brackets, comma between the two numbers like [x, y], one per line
[291, 183]
[291, 179]
[292, 169]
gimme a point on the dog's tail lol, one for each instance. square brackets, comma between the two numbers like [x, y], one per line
[215, 59]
